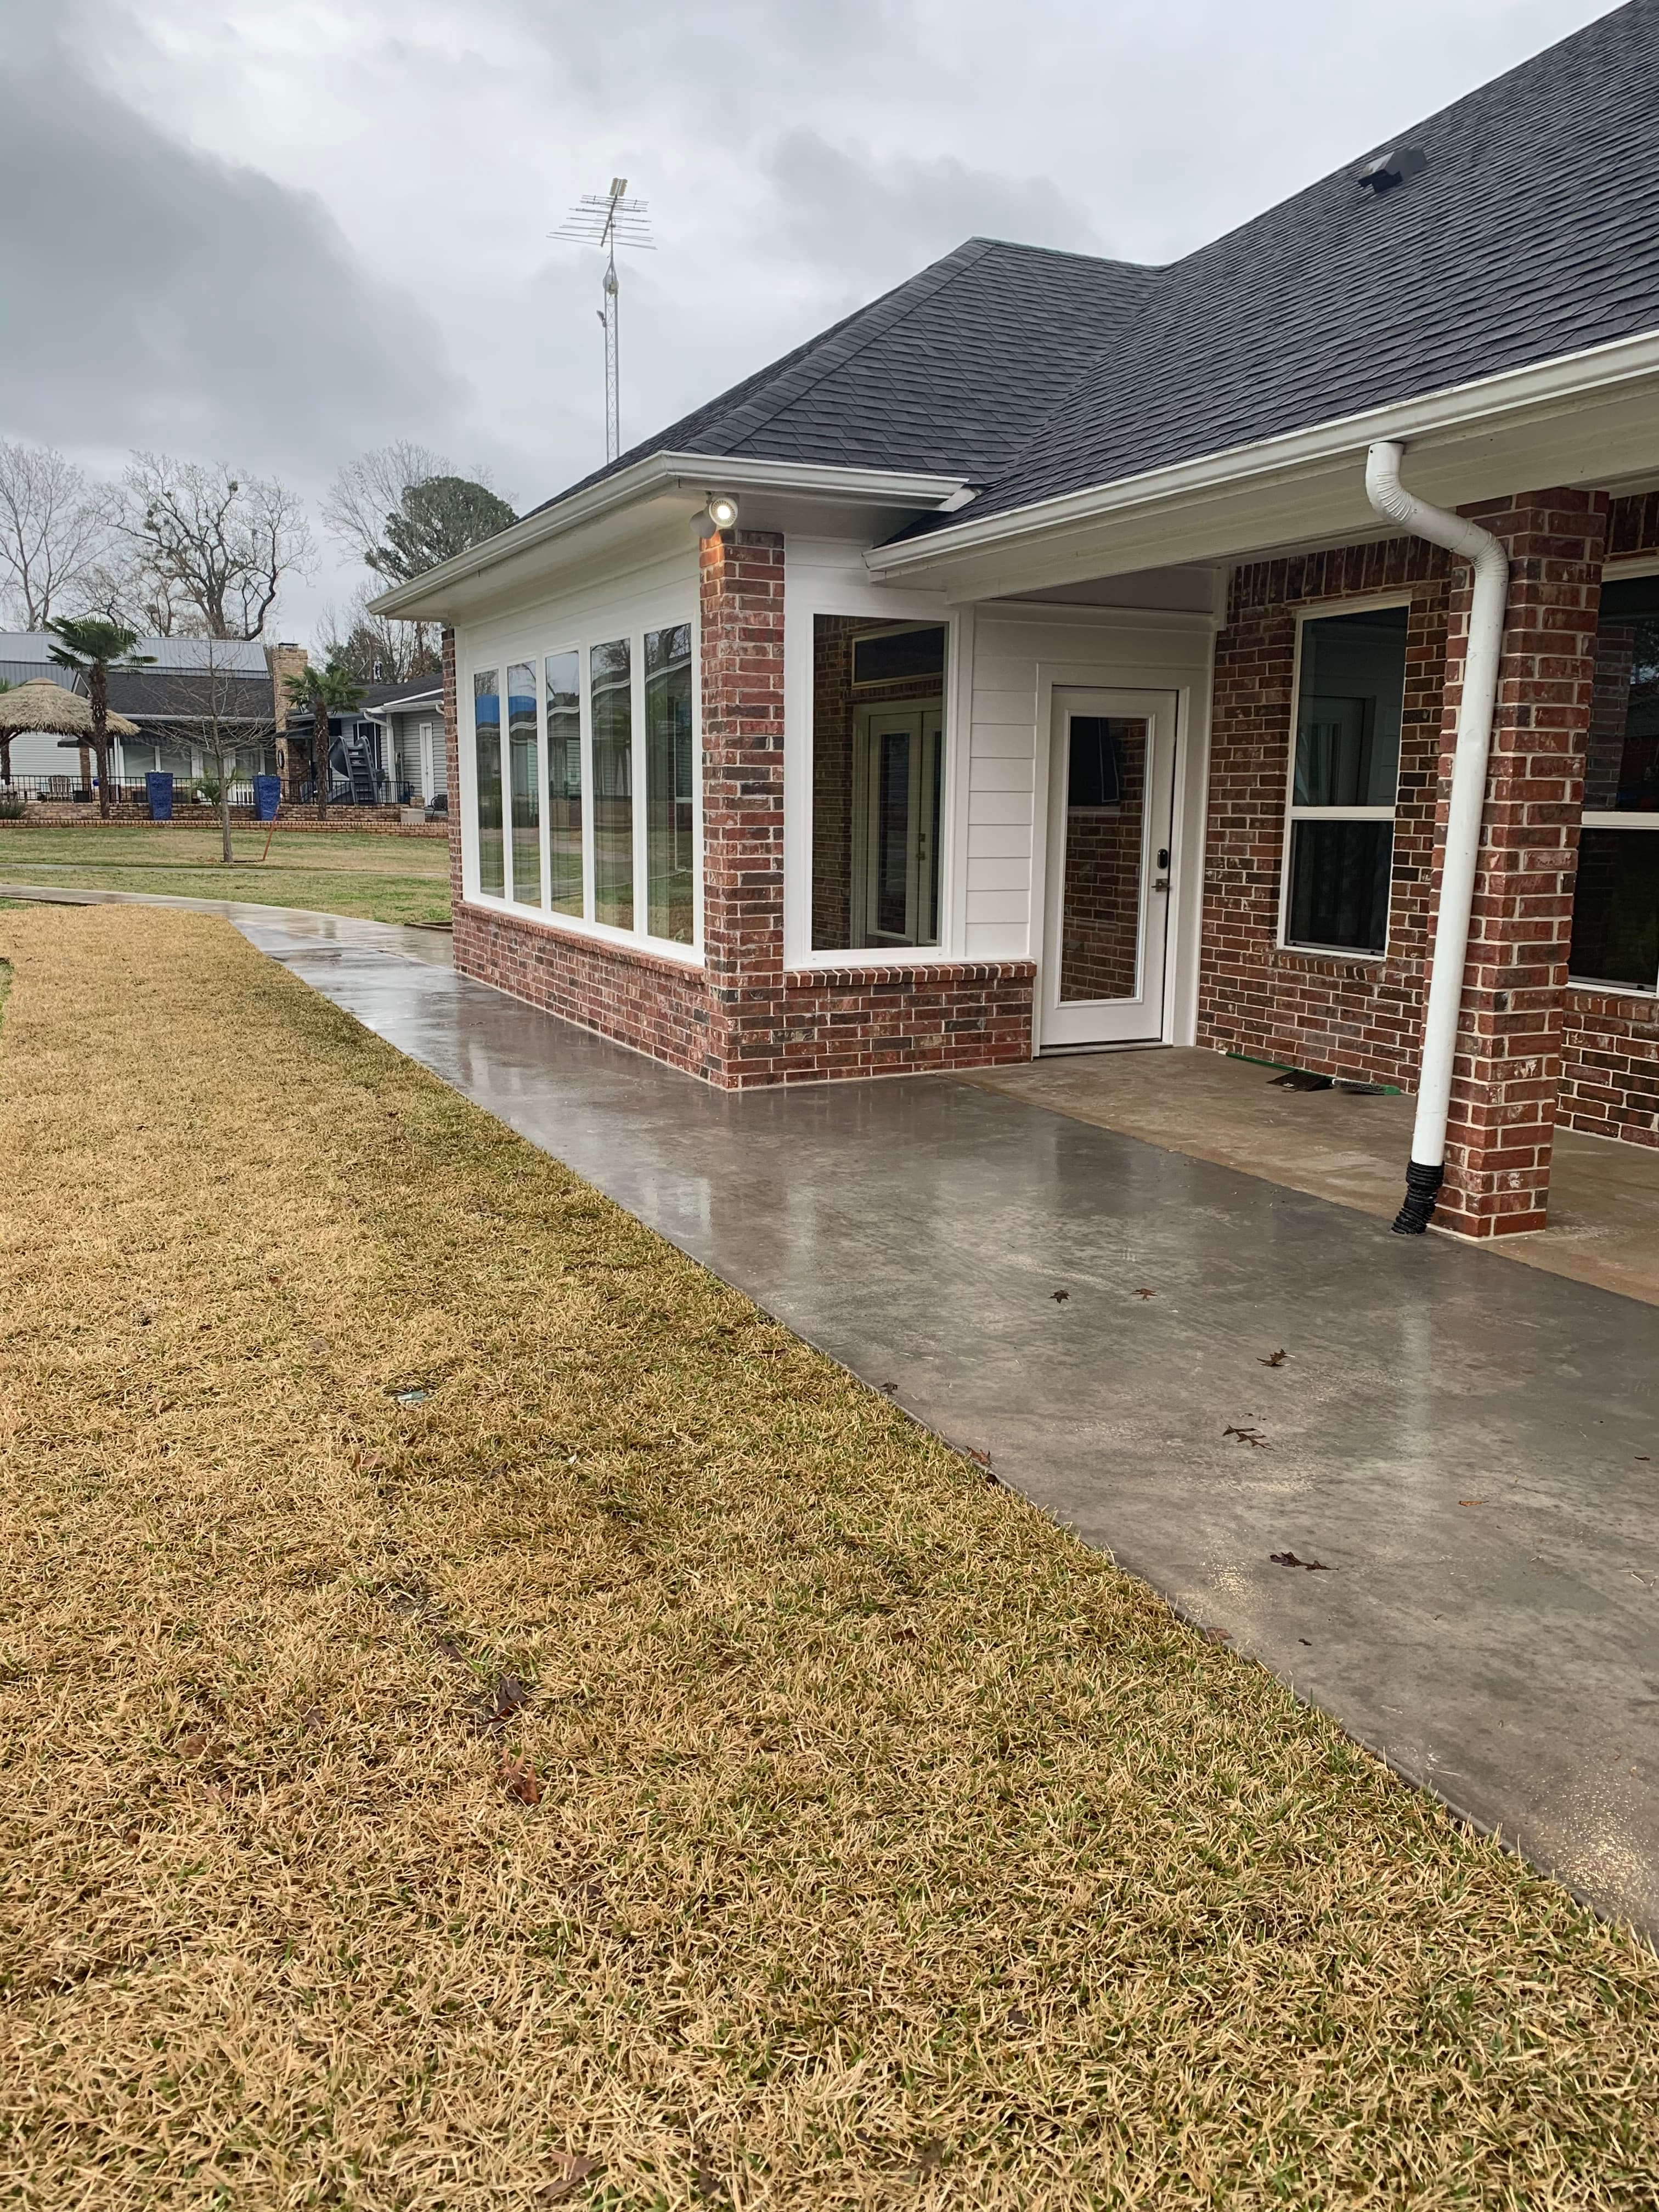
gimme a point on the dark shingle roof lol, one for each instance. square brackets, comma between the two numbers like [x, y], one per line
[1533, 232]
[950, 373]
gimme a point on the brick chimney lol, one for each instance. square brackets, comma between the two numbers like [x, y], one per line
[283, 661]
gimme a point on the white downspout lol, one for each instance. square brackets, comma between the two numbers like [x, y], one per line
[1389, 496]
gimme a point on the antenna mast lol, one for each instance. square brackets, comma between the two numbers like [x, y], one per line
[609, 219]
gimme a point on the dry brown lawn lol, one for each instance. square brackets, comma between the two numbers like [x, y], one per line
[646, 1771]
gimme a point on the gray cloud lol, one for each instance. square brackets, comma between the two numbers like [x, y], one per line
[178, 300]
[873, 220]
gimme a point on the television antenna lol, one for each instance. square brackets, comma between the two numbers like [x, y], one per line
[609, 219]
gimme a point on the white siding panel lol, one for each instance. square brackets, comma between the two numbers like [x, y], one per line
[1008, 907]
[999, 807]
[1001, 871]
[995, 941]
[999, 706]
[996, 774]
[1001, 741]
[996, 841]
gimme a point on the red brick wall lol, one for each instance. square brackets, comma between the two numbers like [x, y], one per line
[742, 1019]
[1508, 1068]
[1361, 1019]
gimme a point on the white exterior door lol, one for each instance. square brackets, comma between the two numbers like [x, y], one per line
[1111, 791]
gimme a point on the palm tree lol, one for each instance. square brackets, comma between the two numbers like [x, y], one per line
[90, 644]
[322, 692]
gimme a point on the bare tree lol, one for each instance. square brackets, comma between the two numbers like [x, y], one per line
[224, 728]
[52, 532]
[371, 489]
[373, 647]
[210, 542]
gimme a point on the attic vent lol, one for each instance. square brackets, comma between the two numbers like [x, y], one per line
[1392, 168]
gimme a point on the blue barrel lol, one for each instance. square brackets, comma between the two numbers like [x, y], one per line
[158, 789]
[267, 791]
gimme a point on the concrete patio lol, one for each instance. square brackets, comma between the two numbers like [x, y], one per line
[1466, 1448]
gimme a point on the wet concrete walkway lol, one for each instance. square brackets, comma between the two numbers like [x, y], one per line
[1469, 1448]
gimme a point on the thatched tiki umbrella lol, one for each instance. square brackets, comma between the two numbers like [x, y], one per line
[49, 709]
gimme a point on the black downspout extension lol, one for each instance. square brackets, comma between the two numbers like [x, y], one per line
[1422, 1189]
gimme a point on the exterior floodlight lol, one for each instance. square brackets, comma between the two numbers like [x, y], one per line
[722, 511]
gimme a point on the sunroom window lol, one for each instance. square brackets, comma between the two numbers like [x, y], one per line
[669, 797]
[566, 874]
[525, 785]
[1615, 914]
[1350, 702]
[878, 693]
[611, 679]
[486, 770]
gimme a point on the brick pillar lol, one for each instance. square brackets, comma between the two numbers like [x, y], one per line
[742, 662]
[451, 769]
[1508, 1068]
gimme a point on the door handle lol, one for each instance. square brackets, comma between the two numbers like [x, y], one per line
[1160, 883]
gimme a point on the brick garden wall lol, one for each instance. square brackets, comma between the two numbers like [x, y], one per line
[378, 821]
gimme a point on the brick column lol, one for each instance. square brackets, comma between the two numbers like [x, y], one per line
[742, 663]
[451, 769]
[1508, 1068]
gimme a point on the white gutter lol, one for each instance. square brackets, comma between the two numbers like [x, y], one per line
[1488, 404]
[907, 489]
[1427, 1168]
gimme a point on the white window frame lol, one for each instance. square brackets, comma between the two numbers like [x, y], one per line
[1608, 818]
[809, 595]
[1375, 604]
[534, 647]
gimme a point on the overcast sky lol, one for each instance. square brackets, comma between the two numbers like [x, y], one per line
[277, 232]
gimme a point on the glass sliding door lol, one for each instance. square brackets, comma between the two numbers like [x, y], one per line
[487, 781]
[525, 785]
[611, 708]
[564, 783]
[669, 767]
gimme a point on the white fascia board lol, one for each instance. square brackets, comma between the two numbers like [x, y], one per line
[658, 473]
[1484, 407]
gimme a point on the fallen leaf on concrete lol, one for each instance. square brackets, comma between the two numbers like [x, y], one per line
[979, 1458]
[1248, 1437]
[1289, 1559]
[1217, 1635]
[1273, 1359]
[1303, 1640]
[1146, 1294]
[1059, 1297]
[521, 1780]
[889, 1387]
[1471, 1501]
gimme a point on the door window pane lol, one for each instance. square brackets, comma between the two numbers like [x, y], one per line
[1339, 892]
[564, 782]
[1349, 702]
[611, 710]
[1104, 859]
[486, 770]
[878, 781]
[669, 767]
[1616, 909]
[525, 784]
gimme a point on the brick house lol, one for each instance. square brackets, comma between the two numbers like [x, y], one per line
[1037, 661]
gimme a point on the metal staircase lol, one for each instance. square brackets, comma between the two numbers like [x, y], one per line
[360, 775]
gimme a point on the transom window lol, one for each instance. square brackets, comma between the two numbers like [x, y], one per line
[1615, 912]
[557, 758]
[1345, 776]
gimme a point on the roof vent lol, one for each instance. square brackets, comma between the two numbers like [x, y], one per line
[1392, 168]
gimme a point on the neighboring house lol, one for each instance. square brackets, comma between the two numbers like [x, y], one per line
[182, 682]
[408, 718]
[1057, 684]
[388, 750]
